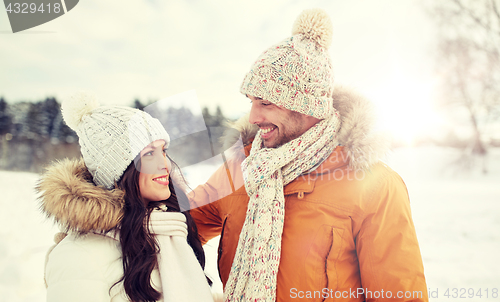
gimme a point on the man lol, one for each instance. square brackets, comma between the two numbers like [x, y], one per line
[311, 213]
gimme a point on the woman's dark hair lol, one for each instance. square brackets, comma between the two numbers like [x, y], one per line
[139, 247]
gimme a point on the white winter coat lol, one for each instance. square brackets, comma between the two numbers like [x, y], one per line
[85, 268]
[87, 263]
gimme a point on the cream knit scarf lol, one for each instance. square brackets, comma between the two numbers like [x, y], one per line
[266, 171]
[181, 275]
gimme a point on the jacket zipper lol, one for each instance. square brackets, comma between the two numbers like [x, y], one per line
[219, 250]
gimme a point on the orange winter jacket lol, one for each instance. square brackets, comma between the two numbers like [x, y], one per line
[348, 233]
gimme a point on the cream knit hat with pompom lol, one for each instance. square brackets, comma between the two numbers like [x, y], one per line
[297, 73]
[110, 137]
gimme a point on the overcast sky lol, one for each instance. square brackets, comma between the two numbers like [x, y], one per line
[122, 50]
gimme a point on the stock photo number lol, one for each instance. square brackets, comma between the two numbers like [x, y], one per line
[25, 8]
[471, 293]
[25, 15]
[464, 293]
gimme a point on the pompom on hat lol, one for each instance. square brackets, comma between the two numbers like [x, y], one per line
[110, 137]
[297, 74]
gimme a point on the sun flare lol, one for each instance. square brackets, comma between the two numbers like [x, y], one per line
[404, 107]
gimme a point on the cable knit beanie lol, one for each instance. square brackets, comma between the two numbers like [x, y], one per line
[110, 137]
[297, 73]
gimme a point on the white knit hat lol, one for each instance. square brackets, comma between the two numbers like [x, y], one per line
[297, 73]
[110, 137]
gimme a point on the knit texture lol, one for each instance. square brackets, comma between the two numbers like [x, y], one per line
[296, 74]
[266, 171]
[181, 275]
[111, 137]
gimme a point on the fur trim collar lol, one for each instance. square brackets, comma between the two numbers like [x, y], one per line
[69, 196]
[363, 145]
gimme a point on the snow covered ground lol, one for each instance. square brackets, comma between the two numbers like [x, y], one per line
[457, 218]
[456, 214]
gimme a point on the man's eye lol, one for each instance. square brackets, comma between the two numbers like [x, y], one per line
[255, 99]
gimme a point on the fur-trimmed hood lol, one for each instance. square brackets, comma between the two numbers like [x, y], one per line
[70, 197]
[363, 144]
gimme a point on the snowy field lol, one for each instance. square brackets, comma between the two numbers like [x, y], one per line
[456, 214]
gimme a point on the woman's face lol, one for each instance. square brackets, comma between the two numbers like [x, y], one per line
[154, 174]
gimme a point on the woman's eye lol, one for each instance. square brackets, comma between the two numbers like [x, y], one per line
[148, 153]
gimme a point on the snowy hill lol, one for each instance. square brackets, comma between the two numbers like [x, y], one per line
[456, 215]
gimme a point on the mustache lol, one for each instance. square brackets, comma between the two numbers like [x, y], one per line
[267, 125]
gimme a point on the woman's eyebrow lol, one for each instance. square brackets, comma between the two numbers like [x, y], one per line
[147, 149]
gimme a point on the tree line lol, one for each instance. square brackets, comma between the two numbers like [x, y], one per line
[33, 134]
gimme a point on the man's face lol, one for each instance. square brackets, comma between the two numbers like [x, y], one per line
[278, 125]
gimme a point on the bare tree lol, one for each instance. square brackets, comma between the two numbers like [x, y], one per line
[469, 64]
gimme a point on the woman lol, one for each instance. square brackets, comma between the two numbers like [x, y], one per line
[127, 239]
